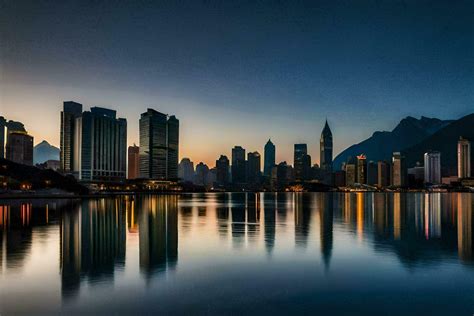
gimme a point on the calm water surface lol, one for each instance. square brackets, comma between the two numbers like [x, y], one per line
[325, 253]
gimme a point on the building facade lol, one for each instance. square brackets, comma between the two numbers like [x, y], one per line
[222, 171]
[464, 158]
[326, 147]
[100, 146]
[269, 158]
[362, 169]
[253, 167]
[19, 148]
[399, 170]
[133, 162]
[71, 111]
[186, 170]
[159, 146]
[383, 174]
[238, 165]
[432, 167]
[301, 162]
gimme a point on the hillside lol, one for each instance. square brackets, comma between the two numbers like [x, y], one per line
[381, 145]
[44, 151]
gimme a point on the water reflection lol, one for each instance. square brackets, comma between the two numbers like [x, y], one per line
[419, 230]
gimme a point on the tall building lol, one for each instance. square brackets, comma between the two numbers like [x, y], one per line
[133, 162]
[186, 170]
[173, 147]
[202, 174]
[71, 111]
[3, 126]
[362, 169]
[464, 158]
[238, 165]
[301, 162]
[432, 167]
[19, 148]
[269, 157]
[351, 172]
[253, 167]
[325, 144]
[100, 146]
[282, 175]
[222, 172]
[398, 170]
[372, 173]
[383, 174]
[159, 145]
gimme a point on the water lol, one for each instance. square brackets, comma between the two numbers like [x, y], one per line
[326, 253]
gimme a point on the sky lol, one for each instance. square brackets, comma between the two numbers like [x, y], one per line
[239, 72]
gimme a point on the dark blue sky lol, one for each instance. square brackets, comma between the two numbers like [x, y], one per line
[236, 73]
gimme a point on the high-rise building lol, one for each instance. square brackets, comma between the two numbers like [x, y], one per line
[302, 162]
[372, 173]
[133, 162]
[159, 145]
[464, 158]
[186, 170]
[432, 167]
[253, 167]
[351, 172]
[269, 157]
[282, 175]
[325, 144]
[383, 174]
[238, 165]
[222, 172]
[19, 148]
[173, 147]
[71, 111]
[202, 173]
[3, 126]
[100, 146]
[398, 170]
[362, 169]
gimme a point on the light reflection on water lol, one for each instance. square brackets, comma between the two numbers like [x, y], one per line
[240, 252]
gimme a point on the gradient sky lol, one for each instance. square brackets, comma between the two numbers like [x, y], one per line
[239, 72]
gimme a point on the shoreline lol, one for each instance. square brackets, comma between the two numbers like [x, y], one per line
[112, 194]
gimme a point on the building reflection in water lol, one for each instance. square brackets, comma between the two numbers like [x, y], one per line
[269, 221]
[158, 233]
[93, 235]
[419, 229]
[326, 216]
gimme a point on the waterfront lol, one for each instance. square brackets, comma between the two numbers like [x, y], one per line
[220, 253]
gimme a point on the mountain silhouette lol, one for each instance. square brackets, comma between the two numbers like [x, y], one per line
[45, 151]
[445, 141]
[381, 145]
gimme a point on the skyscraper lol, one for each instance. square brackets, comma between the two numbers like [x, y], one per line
[432, 167]
[19, 148]
[398, 170]
[3, 127]
[253, 167]
[464, 158]
[372, 173]
[173, 147]
[269, 157]
[362, 169]
[238, 165]
[383, 174]
[222, 166]
[100, 146]
[186, 170]
[202, 173]
[325, 144]
[71, 111]
[159, 144]
[301, 162]
[133, 162]
[351, 172]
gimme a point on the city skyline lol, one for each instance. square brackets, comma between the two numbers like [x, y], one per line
[329, 60]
